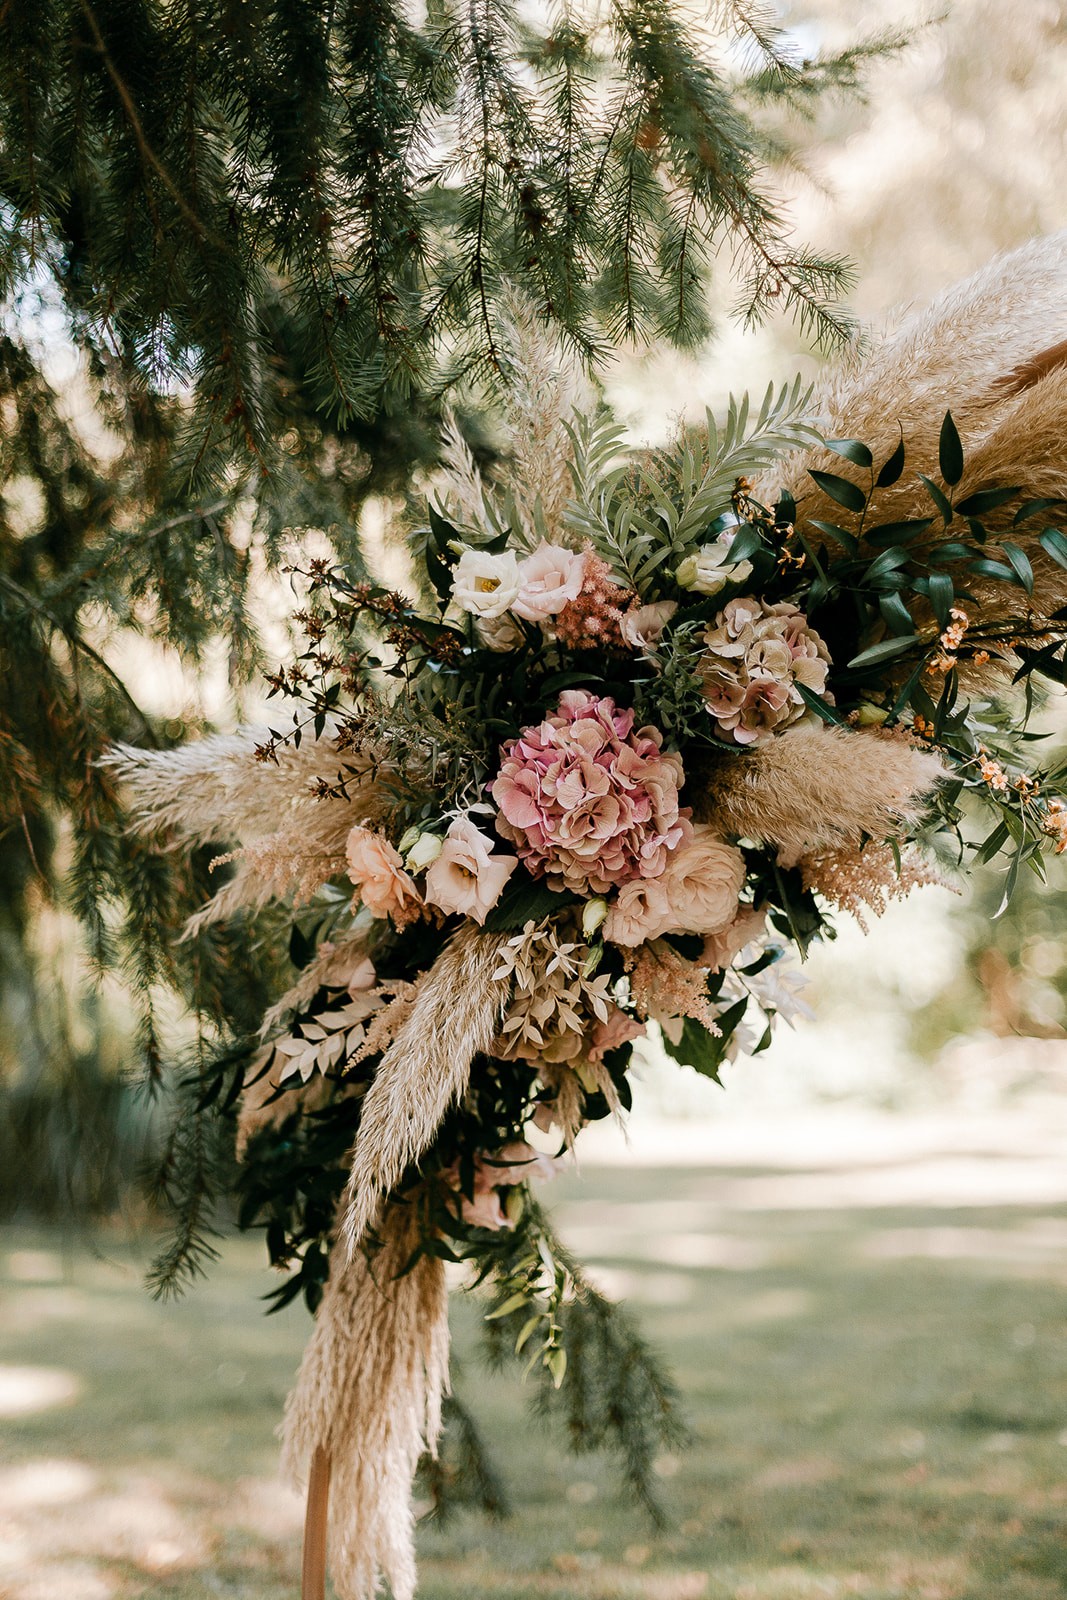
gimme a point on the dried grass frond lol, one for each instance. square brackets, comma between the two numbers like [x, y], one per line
[369, 1392]
[866, 879]
[214, 789]
[818, 788]
[453, 1017]
[986, 350]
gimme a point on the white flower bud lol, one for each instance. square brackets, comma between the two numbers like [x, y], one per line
[407, 840]
[868, 716]
[424, 850]
[593, 915]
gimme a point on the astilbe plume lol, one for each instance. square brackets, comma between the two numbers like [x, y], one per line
[865, 879]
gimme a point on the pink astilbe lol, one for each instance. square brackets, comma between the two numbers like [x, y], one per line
[588, 802]
[593, 620]
[666, 988]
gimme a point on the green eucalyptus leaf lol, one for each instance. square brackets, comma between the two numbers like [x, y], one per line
[987, 568]
[443, 532]
[842, 490]
[821, 707]
[885, 650]
[976, 505]
[891, 470]
[852, 450]
[950, 452]
[941, 594]
[1033, 508]
[1054, 544]
[1020, 563]
[940, 499]
[839, 535]
[896, 615]
[882, 534]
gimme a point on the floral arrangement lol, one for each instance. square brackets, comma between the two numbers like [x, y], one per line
[640, 726]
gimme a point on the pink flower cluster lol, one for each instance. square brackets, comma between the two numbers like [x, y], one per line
[588, 802]
[755, 656]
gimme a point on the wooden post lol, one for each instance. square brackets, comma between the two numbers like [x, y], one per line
[313, 1585]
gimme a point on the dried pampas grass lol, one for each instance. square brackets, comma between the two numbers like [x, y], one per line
[818, 788]
[369, 1394]
[454, 1016]
[291, 839]
[993, 350]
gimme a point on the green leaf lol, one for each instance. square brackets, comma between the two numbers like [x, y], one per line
[524, 902]
[852, 450]
[897, 616]
[839, 535]
[950, 451]
[888, 561]
[940, 499]
[744, 545]
[1054, 544]
[821, 707]
[1009, 884]
[1033, 508]
[976, 505]
[885, 650]
[882, 534]
[843, 490]
[941, 593]
[443, 531]
[1020, 563]
[890, 471]
[986, 568]
[439, 572]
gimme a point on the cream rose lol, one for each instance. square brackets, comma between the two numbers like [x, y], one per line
[702, 882]
[550, 578]
[709, 569]
[377, 871]
[467, 878]
[641, 911]
[485, 584]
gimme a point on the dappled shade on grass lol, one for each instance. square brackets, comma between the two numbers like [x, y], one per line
[879, 1396]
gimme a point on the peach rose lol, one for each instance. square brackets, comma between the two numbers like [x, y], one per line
[702, 882]
[640, 913]
[378, 873]
[549, 579]
[467, 878]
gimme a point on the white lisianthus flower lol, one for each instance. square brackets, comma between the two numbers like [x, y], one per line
[709, 568]
[485, 584]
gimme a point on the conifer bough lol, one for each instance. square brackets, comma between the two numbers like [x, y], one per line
[189, 170]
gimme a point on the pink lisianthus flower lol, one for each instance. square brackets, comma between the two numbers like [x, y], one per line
[549, 579]
[587, 801]
[377, 871]
[512, 1165]
[721, 949]
[619, 1029]
[466, 878]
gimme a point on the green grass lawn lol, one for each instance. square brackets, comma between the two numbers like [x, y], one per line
[879, 1397]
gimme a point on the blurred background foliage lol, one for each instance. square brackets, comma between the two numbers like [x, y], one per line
[171, 416]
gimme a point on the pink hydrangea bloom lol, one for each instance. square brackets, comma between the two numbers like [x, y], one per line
[587, 801]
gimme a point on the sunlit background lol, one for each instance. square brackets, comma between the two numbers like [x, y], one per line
[853, 1251]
